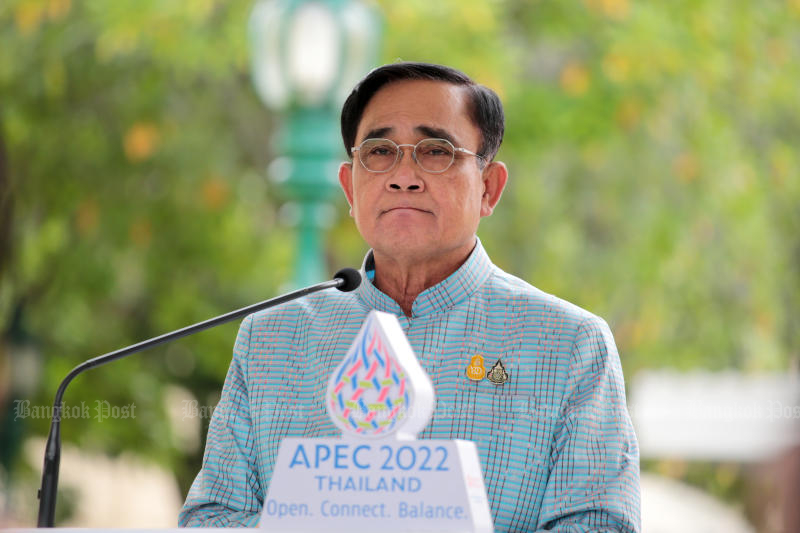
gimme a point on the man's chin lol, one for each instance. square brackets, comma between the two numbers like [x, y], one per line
[405, 245]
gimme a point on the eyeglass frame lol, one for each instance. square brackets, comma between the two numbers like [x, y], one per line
[400, 153]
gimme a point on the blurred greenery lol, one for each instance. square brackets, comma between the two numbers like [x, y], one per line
[654, 181]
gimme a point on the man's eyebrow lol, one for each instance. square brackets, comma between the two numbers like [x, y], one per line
[436, 133]
[378, 133]
[428, 131]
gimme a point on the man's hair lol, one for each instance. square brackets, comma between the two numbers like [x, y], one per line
[483, 105]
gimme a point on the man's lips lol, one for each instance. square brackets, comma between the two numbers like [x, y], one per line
[401, 208]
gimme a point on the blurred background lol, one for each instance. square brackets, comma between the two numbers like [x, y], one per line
[149, 156]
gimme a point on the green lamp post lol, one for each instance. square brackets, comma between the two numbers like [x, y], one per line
[306, 56]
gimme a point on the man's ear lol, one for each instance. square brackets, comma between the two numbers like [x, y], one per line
[495, 176]
[346, 181]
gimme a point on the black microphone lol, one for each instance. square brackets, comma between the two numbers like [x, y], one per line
[346, 280]
[350, 279]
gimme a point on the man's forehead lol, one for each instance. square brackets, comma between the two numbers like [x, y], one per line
[434, 108]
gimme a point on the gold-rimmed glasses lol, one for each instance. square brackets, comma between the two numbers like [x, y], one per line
[432, 155]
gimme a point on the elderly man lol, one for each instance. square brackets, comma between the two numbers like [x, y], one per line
[535, 381]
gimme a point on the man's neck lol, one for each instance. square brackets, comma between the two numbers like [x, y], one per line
[403, 279]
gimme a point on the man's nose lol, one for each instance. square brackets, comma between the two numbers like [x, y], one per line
[405, 176]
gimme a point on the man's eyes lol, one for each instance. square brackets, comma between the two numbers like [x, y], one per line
[435, 151]
[381, 150]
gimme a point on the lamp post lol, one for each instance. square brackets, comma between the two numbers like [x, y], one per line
[306, 56]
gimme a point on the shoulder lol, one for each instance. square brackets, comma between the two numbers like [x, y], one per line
[321, 308]
[535, 306]
[329, 301]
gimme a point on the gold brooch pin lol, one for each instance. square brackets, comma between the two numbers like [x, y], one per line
[497, 374]
[475, 370]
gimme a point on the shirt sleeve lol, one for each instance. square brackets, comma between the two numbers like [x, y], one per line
[227, 491]
[594, 477]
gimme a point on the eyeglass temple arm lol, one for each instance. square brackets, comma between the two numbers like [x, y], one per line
[464, 150]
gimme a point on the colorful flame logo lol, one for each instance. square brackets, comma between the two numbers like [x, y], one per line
[368, 393]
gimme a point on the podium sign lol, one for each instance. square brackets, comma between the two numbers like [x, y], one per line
[378, 476]
[379, 485]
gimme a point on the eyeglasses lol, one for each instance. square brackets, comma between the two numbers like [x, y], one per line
[432, 155]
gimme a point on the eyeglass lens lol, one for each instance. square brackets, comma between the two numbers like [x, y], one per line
[380, 155]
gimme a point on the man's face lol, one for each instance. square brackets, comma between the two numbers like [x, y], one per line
[408, 213]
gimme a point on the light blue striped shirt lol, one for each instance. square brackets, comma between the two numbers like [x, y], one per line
[556, 444]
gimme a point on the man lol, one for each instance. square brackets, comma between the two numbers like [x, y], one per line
[547, 412]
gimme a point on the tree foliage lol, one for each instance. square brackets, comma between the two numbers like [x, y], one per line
[654, 181]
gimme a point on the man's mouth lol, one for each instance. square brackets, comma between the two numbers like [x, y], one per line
[404, 208]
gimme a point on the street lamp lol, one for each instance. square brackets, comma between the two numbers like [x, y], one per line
[306, 56]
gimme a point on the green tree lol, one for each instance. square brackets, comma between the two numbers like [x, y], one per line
[654, 181]
[134, 203]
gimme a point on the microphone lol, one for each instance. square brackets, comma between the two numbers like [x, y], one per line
[350, 279]
[346, 280]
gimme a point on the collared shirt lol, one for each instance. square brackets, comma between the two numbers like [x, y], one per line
[555, 441]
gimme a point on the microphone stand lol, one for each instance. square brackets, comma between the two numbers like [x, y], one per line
[345, 280]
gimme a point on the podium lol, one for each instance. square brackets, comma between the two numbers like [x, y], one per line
[378, 476]
[132, 530]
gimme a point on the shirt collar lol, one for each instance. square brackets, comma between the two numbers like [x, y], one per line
[439, 298]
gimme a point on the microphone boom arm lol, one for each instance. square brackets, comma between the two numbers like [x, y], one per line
[346, 279]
